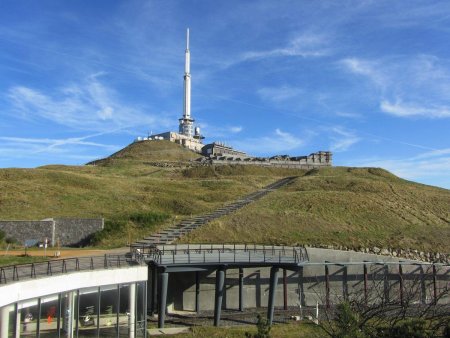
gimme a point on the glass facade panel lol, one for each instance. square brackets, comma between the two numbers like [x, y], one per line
[141, 310]
[124, 311]
[108, 311]
[49, 316]
[88, 312]
[29, 315]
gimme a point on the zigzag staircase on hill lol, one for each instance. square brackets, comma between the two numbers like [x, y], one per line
[167, 236]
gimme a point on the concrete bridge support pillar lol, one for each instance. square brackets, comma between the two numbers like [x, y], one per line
[154, 290]
[272, 289]
[197, 291]
[220, 283]
[241, 289]
[423, 288]
[132, 307]
[163, 282]
[327, 286]
[345, 282]
[386, 283]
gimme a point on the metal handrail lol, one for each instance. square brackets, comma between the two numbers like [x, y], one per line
[20, 272]
[222, 253]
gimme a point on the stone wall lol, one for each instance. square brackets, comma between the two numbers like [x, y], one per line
[62, 231]
[74, 231]
[22, 231]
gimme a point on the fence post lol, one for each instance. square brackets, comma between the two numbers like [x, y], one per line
[15, 273]
[365, 283]
[434, 284]
[33, 271]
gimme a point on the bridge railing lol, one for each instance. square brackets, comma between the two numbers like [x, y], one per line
[21, 272]
[206, 253]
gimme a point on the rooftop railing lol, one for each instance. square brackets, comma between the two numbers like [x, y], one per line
[15, 273]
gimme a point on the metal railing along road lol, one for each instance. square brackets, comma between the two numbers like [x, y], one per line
[212, 254]
[16, 273]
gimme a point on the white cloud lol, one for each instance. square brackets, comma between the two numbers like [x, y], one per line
[415, 86]
[367, 68]
[349, 115]
[342, 139]
[404, 110]
[219, 131]
[276, 143]
[433, 153]
[46, 145]
[236, 129]
[279, 94]
[305, 45]
[90, 106]
[40, 151]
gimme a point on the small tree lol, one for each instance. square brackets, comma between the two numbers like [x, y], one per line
[402, 313]
[263, 329]
[348, 323]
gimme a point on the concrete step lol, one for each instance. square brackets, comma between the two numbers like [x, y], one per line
[167, 236]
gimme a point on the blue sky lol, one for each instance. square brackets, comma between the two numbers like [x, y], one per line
[368, 80]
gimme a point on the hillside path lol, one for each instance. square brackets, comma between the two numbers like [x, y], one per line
[171, 234]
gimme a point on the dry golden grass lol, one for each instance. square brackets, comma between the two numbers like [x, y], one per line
[333, 206]
[350, 207]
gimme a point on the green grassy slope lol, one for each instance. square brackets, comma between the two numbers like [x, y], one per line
[149, 151]
[125, 188]
[332, 206]
[342, 206]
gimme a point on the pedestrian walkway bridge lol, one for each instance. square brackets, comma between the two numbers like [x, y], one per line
[192, 255]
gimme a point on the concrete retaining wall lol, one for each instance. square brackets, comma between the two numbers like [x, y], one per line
[65, 231]
[74, 231]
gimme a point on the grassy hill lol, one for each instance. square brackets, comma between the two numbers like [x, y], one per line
[149, 151]
[126, 189]
[353, 207]
[137, 196]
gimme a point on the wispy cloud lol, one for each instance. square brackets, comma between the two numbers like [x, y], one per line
[414, 86]
[236, 129]
[219, 131]
[401, 109]
[349, 115]
[89, 105]
[279, 141]
[342, 139]
[47, 150]
[305, 45]
[279, 94]
[46, 145]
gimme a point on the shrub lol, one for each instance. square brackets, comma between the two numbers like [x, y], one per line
[147, 219]
[263, 328]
